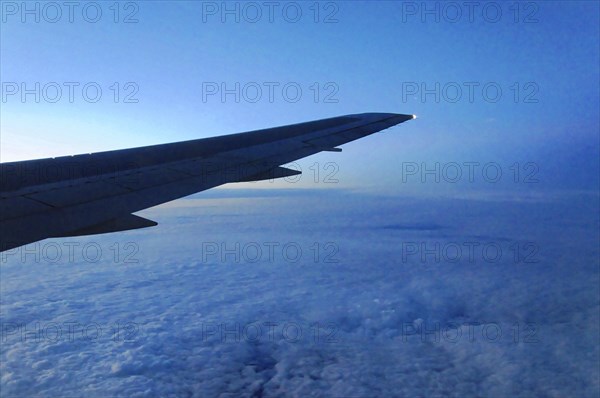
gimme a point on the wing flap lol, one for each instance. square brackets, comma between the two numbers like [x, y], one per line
[276, 172]
[76, 194]
[126, 223]
[18, 206]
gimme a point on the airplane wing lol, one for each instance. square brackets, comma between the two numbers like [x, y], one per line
[97, 193]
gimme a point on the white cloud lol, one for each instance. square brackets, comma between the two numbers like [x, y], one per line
[182, 322]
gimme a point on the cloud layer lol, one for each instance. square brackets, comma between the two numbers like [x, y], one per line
[334, 294]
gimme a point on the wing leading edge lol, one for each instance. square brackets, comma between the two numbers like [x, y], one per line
[97, 193]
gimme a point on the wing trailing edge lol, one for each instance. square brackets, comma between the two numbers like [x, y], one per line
[276, 172]
[126, 223]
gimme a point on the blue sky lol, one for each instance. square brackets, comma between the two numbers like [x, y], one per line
[544, 56]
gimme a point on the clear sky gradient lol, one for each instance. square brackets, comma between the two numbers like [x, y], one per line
[346, 57]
